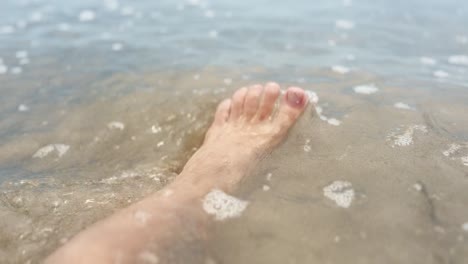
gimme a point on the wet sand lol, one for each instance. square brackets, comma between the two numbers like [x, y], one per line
[111, 141]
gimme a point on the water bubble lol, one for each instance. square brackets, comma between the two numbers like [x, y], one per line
[350, 57]
[7, 29]
[23, 108]
[213, 34]
[63, 27]
[16, 70]
[440, 74]
[341, 192]
[344, 24]
[116, 125]
[111, 4]
[334, 122]
[227, 81]
[340, 69]
[60, 149]
[366, 89]
[223, 206]
[403, 106]
[458, 60]
[87, 16]
[465, 226]
[3, 69]
[428, 61]
[36, 17]
[418, 187]
[117, 46]
[209, 13]
[21, 54]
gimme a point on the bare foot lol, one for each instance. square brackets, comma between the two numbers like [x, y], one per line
[244, 130]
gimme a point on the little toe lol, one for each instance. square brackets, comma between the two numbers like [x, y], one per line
[252, 100]
[267, 104]
[292, 106]
[237, 103]
[222, 112]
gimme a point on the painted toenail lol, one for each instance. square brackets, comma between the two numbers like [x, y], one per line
[295, 99]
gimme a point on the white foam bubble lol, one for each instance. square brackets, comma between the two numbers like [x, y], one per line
[63, 27]
[313, 97]
[465, 226]
[213, 34]
[406, 138]
[3, 69]
[223, 206]
[227, 81]
[366, 89]
[464, 160]
[418, 187]
[350, 57]
[36, 17]
[16, 70]
[453, 148]
[307, 147]
[111, 4]
[87, 16]
[403, 106]
[340, 69]
[7, 29]
[268, 176]
[21, 54]
[440, 74]
[23, 108]
[428, 61]
[341, 192]
[209, 13]
[461, 39]
[265, 188]
[155, 129]
[333, 121]
[344, 24]
[59, 149]
[116, 125]
[458, 60]
[117, 46]
[347, 2]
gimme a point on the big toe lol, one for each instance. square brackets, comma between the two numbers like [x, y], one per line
[292, 106]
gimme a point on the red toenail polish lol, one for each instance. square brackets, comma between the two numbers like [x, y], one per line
[295, 99]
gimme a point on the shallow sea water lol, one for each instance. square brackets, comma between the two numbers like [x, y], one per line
[102, 103]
